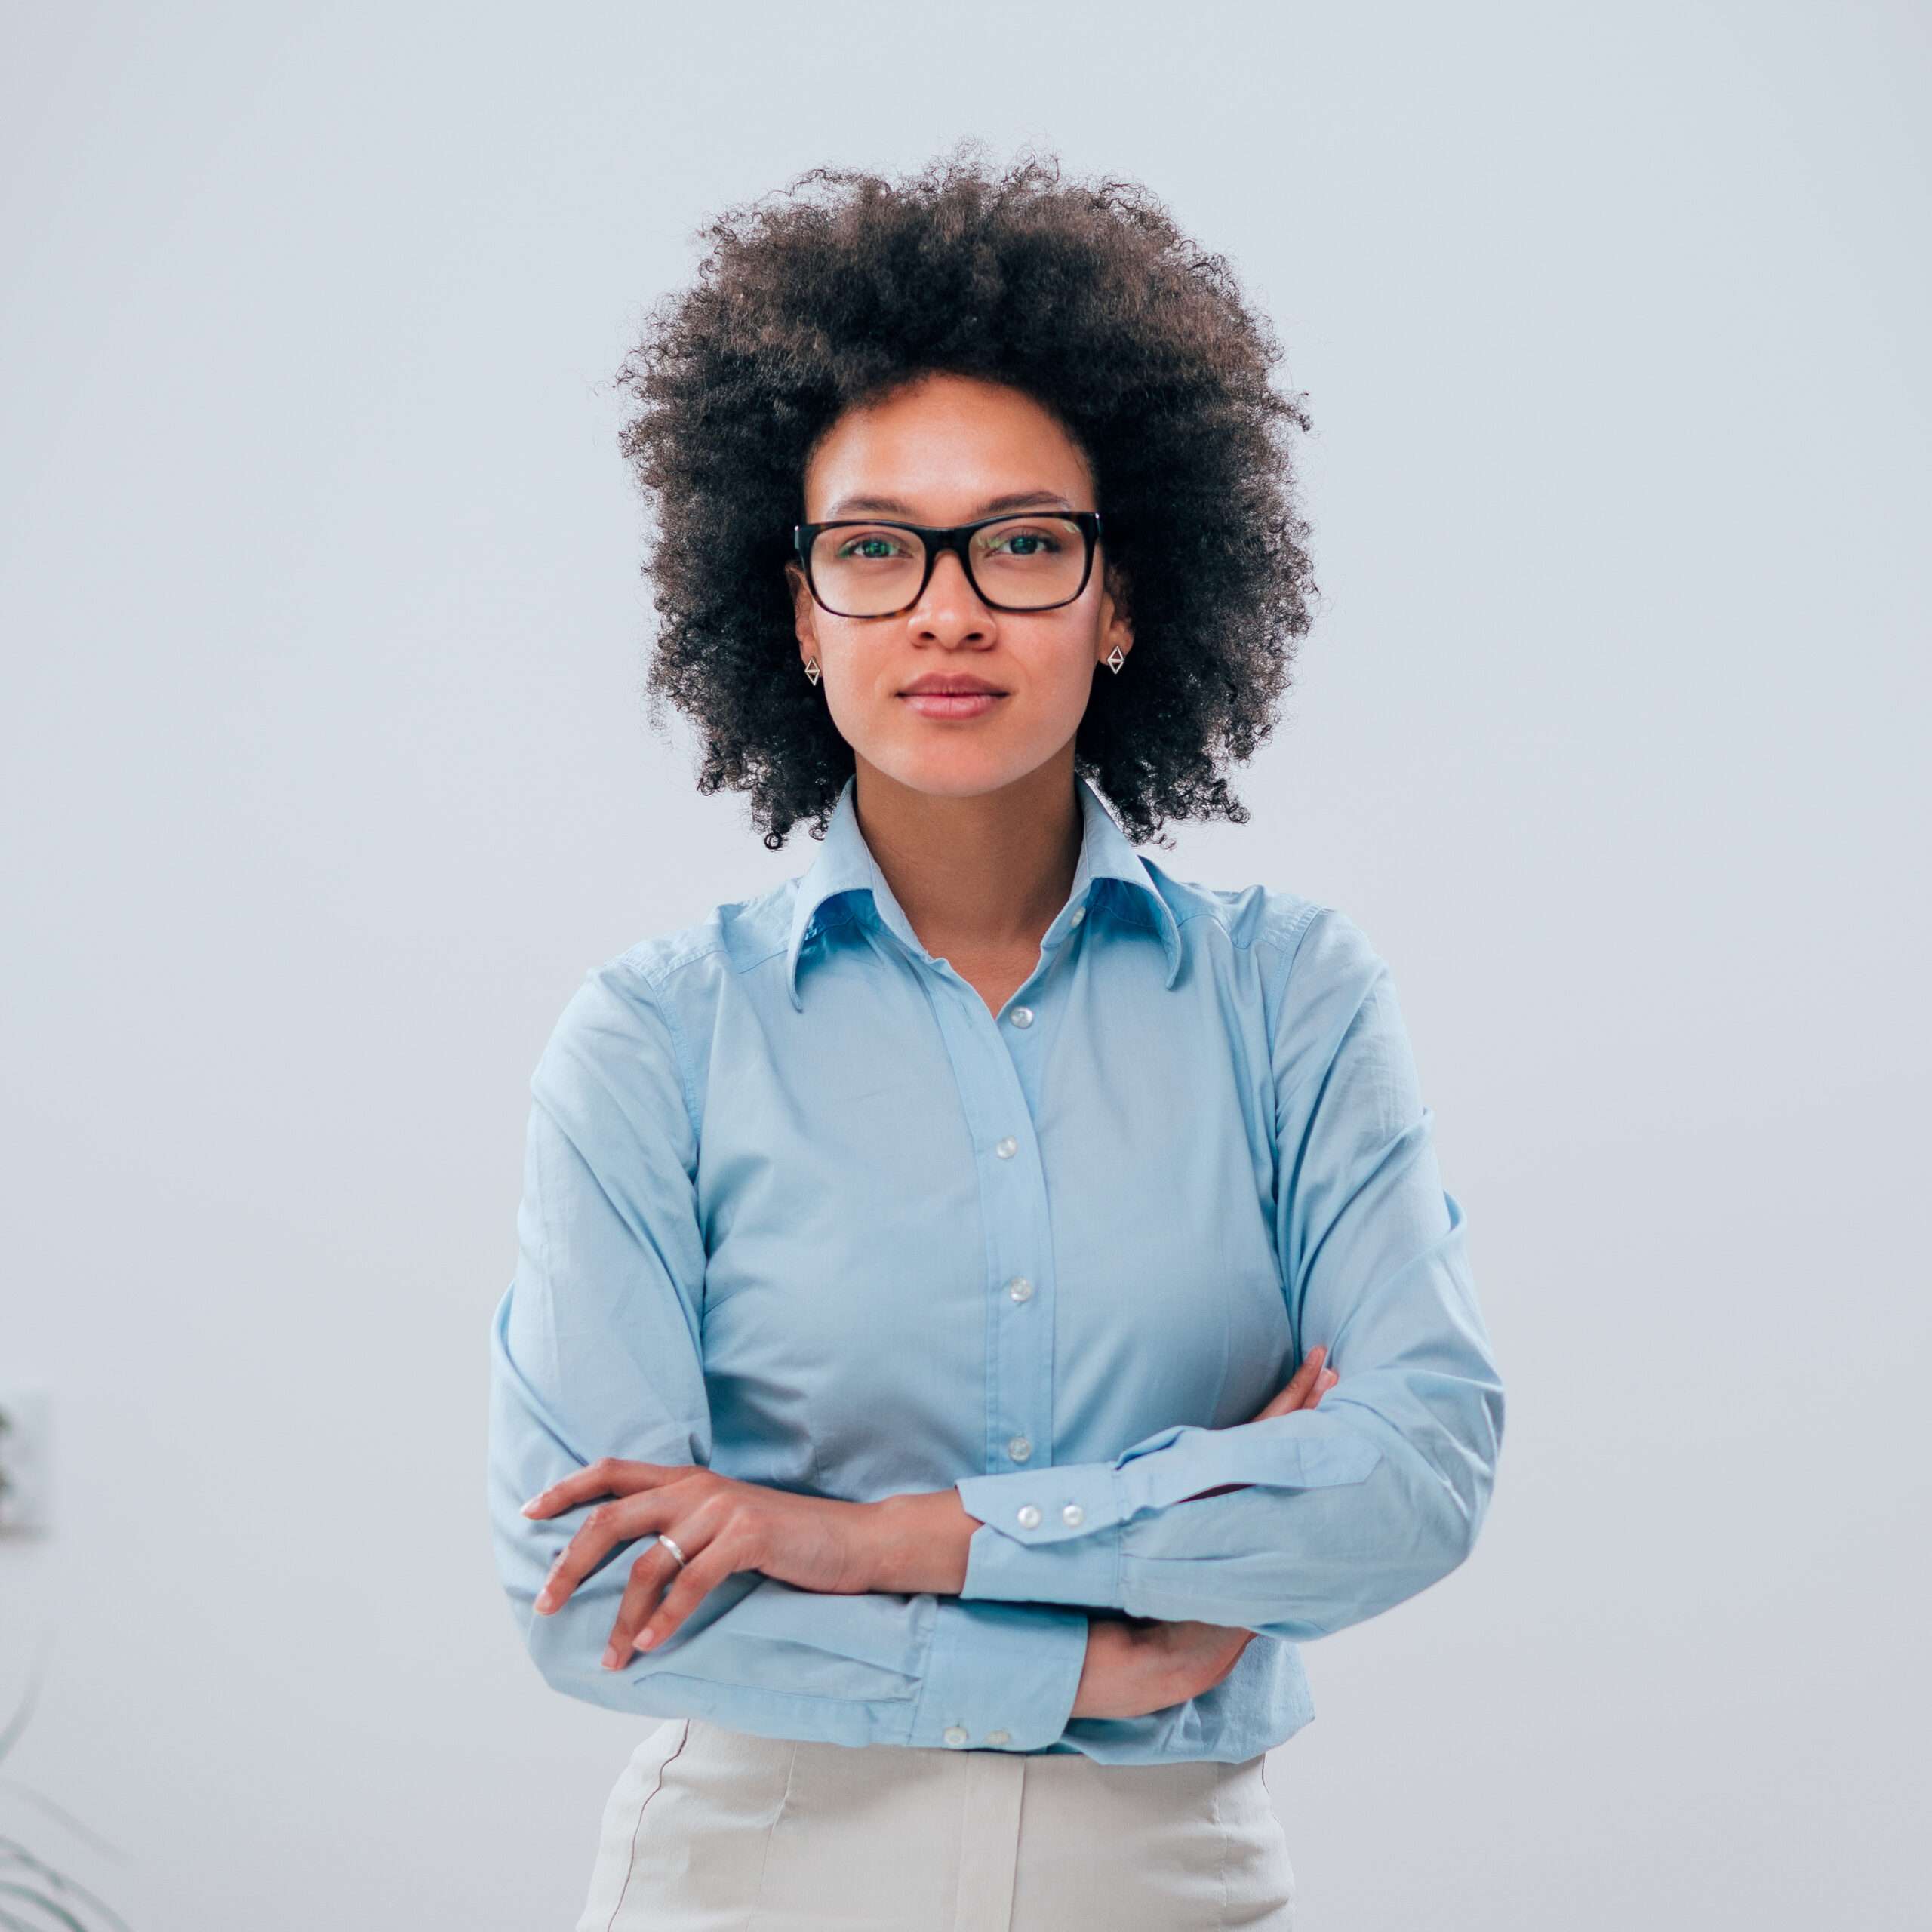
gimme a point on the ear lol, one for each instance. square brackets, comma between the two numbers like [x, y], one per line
[804, 614]
[1120, 621]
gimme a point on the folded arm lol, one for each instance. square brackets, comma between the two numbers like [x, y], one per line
[1327, 1515]
[594, 1351]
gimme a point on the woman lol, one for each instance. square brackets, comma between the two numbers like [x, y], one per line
[919, 1382]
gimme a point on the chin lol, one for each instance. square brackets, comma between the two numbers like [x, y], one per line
[958, 771]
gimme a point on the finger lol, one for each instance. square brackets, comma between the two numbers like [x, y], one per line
[1302, 1380]
[1329, 1378]
[607, 1526]
[609, 1475]
[649, 1575]
[689, 1588]
[1298, 1384]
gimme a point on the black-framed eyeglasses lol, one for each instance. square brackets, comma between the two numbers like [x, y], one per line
[861, 566]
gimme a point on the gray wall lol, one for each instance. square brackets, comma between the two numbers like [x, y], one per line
[326, 780]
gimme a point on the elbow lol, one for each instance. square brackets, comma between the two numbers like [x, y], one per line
[1457, 1530]
[1483, 1450]
[1439, 1477]
[1346, 1552]
[567, 1657]
[548, 1640]
[1468, 1475]
[568, 1646]
[1435, 1534]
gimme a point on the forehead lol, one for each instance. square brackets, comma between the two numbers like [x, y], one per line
[944, 446]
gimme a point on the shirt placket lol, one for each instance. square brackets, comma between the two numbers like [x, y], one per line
[997, 1060]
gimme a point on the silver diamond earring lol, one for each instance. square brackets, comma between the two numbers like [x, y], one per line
[811, 669]
[1116, 659]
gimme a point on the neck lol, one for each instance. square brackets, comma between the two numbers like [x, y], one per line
[978, 875]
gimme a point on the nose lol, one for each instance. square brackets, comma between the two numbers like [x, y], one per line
[948, 610]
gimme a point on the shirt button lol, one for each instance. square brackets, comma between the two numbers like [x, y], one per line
[1079, 913]
[1019, 1288]
[1073, 1515]
[1018, 1448]
[999, 1737]
[1007, 1148]
[1029, 1517]
[1021, 1016]
[955, 1733]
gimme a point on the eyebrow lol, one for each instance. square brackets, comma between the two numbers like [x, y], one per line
[1015, 499]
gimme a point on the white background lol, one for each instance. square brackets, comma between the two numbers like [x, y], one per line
[327, 778]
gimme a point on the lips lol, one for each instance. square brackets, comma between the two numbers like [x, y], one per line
[951, 704]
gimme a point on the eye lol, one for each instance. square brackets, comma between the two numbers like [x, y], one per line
[1021, 543]
[869, 547]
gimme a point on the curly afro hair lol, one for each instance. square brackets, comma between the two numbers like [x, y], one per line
[1088, 298]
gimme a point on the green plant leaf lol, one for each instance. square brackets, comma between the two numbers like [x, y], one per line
[46, 1904]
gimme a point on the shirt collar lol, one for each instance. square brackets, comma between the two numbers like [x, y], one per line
[844, 864]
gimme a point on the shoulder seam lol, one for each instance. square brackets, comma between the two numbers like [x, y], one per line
[635, 957]
[1288, 944]
[1135, 914]
[659, 1007]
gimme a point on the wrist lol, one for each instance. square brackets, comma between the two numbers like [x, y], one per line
[919, 1542]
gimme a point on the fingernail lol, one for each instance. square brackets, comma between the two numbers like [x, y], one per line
[613, 1657]
[645, 1638]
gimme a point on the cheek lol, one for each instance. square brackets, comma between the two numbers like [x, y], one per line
[1065, 679]
[1072, 687]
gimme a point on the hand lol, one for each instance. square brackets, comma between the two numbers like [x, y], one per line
[1304, 1390]
[1141, 1664]
[721, 1525]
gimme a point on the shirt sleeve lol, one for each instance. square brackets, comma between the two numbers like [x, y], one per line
[1341, 1511]
[594, 1350]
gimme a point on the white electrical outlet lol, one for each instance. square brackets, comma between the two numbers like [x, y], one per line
[24, 1460]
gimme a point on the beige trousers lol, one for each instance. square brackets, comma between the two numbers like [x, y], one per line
[712, 1830]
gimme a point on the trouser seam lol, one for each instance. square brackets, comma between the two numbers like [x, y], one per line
[764, 1864]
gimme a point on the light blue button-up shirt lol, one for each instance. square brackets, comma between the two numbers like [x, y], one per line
[798, 1206]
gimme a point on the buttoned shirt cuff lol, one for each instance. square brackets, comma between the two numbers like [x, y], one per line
[1050, 1536]
[998, 1678]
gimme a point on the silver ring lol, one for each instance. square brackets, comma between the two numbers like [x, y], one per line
[682, 1558]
